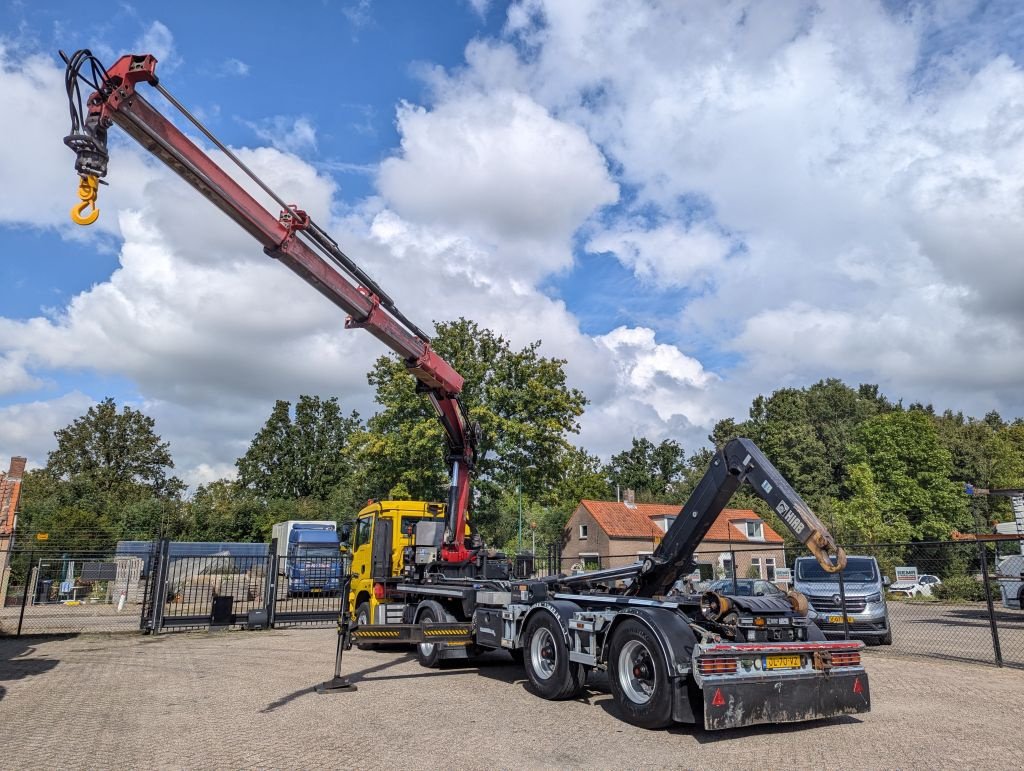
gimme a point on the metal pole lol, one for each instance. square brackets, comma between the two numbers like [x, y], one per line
[24, 594]
[983, 560]
[271, 593]
[519, 489]
[842, 606]
[996, 649]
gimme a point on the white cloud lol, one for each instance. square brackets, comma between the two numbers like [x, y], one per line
[498, 163]
[27, 427]
[287, 134]
[670, 255]
[158, 40]
[233, 67]
[826, 209]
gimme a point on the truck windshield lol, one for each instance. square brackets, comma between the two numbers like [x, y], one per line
[319, 552]
[859, 569]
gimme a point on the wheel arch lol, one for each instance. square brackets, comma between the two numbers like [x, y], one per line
[562, 610]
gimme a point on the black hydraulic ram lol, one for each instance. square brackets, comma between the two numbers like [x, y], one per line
[738, 462]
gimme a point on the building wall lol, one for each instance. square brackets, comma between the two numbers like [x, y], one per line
[711, 553]
[613, 552]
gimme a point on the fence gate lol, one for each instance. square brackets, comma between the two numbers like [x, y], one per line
[232, 590]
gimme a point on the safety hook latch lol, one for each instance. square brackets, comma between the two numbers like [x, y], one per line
[88, 188]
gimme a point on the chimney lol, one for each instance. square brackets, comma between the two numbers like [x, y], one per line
[629, 497]
[17, 468]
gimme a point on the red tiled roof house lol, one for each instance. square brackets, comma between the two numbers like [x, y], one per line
[612, 534]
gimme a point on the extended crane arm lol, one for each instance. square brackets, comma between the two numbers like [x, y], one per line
[292, 237]
[737, 462]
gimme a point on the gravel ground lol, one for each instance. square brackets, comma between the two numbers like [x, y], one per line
[237, 699]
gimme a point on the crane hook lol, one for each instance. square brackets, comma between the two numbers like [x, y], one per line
[88, 188]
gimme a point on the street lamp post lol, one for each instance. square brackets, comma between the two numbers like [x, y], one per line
[519, 489]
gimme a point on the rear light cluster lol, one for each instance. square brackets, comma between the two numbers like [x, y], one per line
[846, 659]
[716, 665]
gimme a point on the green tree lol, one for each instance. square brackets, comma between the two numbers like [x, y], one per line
[106, 480]
[912, 472]
[519, 398]
[650, 470]
[305, 456]
[114, 454]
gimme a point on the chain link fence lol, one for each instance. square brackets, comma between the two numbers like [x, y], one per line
[958, 600]
[44, 591]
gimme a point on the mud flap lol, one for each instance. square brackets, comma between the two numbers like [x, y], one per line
[732, 704]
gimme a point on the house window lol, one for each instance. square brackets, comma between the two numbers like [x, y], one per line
[755, 531]
[641, 554]
[583, 532]
[755, 568]
[591, 561]
[769, 567]
[726, 567]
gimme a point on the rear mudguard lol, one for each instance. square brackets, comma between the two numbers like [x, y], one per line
[677, 640]
[731, 702]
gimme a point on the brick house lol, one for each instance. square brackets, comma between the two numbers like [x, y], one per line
[612, 534]
[10, 492]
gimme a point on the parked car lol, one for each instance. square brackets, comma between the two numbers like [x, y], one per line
[922, 587]
[745, 587]
[867, 615]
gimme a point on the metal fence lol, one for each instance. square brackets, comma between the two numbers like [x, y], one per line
[158, 586]
[964, 605]
[50, 591]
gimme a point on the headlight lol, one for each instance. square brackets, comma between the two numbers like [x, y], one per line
[876, 597]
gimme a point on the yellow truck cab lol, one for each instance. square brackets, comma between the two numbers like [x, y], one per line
[382, 531]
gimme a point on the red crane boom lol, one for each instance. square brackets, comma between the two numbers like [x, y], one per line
[292, 238]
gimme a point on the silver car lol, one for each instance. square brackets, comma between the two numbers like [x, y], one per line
[867, 615]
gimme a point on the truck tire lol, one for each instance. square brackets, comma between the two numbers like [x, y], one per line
[638, 676]
[430, 612]
[546, 659]
[363, 619]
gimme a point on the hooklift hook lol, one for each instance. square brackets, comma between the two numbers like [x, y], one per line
[88, 188]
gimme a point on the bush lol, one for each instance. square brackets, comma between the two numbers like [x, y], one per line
[960, 588]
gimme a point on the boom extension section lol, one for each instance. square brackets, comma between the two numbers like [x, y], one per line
[291, 237]
[737, 462]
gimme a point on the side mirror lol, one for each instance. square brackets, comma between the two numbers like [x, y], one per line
[345, 534]
[886, 581]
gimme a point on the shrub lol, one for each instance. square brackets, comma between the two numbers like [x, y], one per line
[960, 588]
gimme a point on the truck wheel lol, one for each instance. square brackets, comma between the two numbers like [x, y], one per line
[550, 673]
[638, 675]
[429, 654]
[363, 619]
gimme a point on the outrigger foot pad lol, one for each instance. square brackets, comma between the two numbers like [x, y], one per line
[336, 685]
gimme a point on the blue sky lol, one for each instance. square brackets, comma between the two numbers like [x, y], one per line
[692, 209]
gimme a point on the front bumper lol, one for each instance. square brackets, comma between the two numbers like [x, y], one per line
[732, 703]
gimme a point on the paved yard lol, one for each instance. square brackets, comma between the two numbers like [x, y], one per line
[242, 699]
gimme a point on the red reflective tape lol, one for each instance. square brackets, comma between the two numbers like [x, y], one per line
[857, 687]
[718, 700]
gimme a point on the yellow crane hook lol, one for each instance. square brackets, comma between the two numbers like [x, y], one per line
[88, 188]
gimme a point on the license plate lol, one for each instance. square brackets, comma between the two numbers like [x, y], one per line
[782, 662]
[839, 619]
[314, 591]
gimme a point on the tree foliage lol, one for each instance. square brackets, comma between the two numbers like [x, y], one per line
[521, 401]
[305, 456]
[651, 470]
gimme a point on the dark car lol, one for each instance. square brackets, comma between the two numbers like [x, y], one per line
[746, 587]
